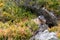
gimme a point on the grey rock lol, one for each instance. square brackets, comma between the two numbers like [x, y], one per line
[43, 33]
[46, 35]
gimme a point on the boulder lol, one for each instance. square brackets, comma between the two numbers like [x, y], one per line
[46, 35]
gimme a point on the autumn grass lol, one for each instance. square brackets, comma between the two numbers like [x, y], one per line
[18, 31]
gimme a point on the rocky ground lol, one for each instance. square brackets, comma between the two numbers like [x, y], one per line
[55, 29]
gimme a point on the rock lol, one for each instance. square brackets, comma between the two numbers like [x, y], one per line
[42, 33]
[46, 35]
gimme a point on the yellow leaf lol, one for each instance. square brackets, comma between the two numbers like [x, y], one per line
[1, 4]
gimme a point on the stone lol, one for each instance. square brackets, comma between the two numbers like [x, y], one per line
[46, 35]
[42, 33]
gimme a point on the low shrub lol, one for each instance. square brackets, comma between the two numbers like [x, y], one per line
[18, 31]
